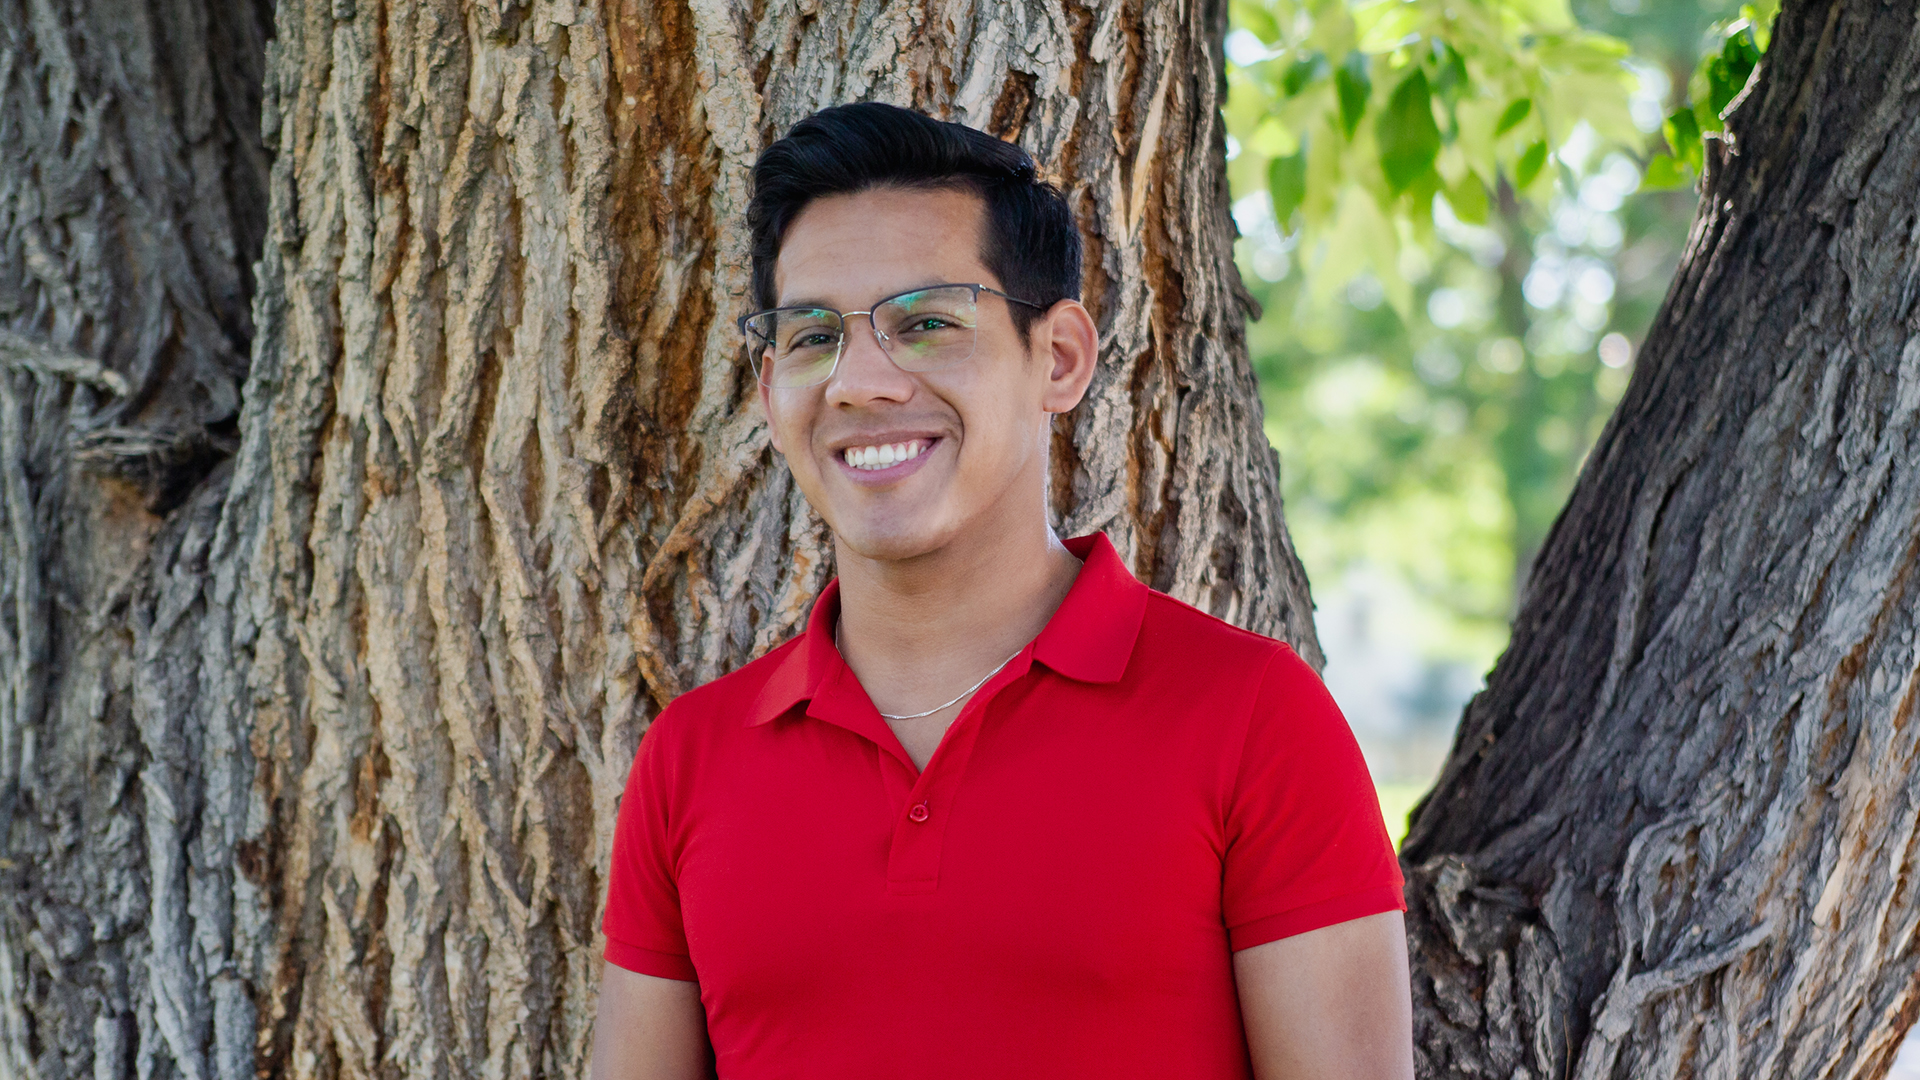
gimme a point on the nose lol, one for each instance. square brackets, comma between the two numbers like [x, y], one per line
[865, 372]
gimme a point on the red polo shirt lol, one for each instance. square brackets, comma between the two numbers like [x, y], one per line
[1142, 790]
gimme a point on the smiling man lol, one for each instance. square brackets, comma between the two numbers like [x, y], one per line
[1001, 810]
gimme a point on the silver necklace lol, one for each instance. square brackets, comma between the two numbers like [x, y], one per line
[936, 708]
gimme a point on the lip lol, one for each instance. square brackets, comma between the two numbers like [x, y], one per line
[892, 473]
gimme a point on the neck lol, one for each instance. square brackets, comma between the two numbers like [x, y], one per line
[918, 630]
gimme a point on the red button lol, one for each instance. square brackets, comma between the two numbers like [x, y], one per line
[918, 813]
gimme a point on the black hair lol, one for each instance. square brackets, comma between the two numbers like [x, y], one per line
[1031, 242]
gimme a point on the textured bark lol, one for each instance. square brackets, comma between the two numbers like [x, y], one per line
[132, 204]
[1676, 836]
[342, 722]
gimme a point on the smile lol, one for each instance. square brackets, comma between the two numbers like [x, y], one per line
[874, 458]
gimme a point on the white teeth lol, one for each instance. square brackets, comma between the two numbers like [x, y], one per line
[886, 456]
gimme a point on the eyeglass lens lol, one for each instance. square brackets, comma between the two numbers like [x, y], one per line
[920, 331]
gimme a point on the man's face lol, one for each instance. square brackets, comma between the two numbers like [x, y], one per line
[973, 436]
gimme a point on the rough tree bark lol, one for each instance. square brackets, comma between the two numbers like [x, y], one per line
[313, 756]
[132, 206]
[1676, 836]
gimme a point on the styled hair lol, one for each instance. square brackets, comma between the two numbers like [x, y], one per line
[1030, 241]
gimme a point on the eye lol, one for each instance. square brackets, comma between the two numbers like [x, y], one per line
[811, 339]
[924, 323]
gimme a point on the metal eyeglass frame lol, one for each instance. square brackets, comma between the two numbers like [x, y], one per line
[840, 347]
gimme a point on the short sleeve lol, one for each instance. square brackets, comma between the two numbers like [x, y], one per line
[1306, 846]
[642, 923]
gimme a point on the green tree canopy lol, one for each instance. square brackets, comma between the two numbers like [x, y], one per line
[1461, 216]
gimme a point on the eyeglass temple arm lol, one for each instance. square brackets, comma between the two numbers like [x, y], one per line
[1011, 299]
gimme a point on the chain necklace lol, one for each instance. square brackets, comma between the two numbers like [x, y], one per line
[946, 705]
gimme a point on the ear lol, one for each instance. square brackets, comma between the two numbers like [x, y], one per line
[766, 413]
[1068, 342]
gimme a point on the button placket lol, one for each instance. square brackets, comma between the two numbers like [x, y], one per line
[919, 835]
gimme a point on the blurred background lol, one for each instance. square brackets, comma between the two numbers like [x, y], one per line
[1427, 445]
[1460, 218]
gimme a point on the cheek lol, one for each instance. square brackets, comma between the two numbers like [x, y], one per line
[1005, 427]
[787, 426]
[790, 437]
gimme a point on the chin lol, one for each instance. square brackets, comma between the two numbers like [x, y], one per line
[892, 542]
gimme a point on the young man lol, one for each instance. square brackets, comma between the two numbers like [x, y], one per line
[1001, 810]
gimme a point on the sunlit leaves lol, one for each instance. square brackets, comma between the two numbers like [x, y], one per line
[1395, 102]
[1468, 199]
[1450, 75]
[1257, 18]
[1686, 151]
[1305, 70]
[1759, 16]
[1727, 73]
[1529, 165]
[1435, 363]
[1287, 184]
[1716, 83]
[1353, 86]
[1409, 139]
[1514, 113]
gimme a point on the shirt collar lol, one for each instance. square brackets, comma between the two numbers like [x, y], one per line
[1090, 637]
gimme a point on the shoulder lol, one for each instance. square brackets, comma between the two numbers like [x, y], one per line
[1259, 680]
[1174, 633]
[1187, 663]
[728, 702]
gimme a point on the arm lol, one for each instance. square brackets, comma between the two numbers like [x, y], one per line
[1330, 1004]
[649, 1029]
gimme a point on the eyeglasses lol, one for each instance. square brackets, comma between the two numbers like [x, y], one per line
[920, 330]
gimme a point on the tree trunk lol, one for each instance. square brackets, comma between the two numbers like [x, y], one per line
[313, 757]
[132, 204]
[1676, 837]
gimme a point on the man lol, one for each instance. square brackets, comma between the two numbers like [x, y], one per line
[1000, 811]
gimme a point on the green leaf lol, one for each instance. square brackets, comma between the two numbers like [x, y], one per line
[1386, 25]
[1664, 173]
[1301, 72]
[1759, 17]
[1498, 76]
[1272, 139]
[1287, 184]
[1409, 139]
[1468, 198]
[1360, 238]
[1421, 194]
[1511, 118]
[1741, 51]
[1257, 18]
[1450, 78]
[1353, 86]
[1682, 131]
[1530, 164]
[1705, 118]
[1727, 73]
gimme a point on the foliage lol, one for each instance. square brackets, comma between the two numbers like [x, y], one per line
[1354, 116]
[1720, 77]
[1441, 444]
[1453, 295]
